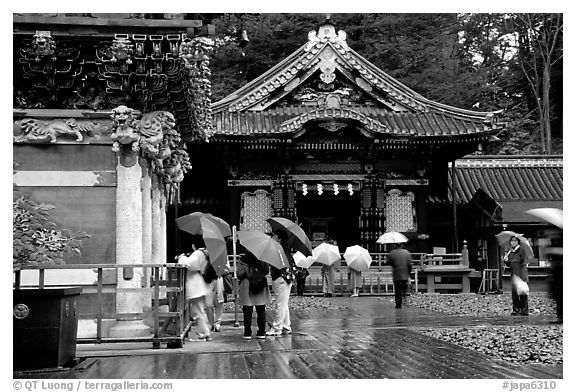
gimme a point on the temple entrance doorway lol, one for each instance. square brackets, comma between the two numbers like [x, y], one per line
[335, 217]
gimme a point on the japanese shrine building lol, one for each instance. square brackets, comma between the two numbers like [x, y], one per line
[329, 140]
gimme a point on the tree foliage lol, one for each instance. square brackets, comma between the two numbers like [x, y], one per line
[36, 238]
[471, 61]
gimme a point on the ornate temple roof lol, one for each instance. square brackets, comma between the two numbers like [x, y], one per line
[325, 81]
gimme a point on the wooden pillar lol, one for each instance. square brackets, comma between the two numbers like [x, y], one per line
[454, 211]
[128, 243]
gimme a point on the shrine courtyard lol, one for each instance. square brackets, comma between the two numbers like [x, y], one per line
[353, 338]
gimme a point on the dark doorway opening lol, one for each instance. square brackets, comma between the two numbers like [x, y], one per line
[335, 216]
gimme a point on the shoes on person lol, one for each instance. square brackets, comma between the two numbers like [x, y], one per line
[247, 337]
[201, 338]
[286, 331]
[216, 328]
[514, 314]
[260, 336]
[398, 307]
[273, 332]
[524, 314]
[354, 295]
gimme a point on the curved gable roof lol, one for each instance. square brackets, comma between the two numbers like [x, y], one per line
[399, 111]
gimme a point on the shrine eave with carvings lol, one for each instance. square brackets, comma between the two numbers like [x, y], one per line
[352, 92]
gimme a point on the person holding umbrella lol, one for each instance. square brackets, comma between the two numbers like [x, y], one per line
[253, 293]
[401, 261]
[282, 284]
[516, 259]
[302, 264]
[196, 288]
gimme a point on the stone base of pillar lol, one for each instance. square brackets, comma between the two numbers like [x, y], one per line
[129, 329]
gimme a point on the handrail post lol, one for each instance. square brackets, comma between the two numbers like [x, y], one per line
[465, 256]
[41, 278]
[99, 298]
[17, 279]
[156, 344]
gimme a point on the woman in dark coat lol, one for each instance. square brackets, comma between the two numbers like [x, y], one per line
[248, 297]
[516, 259]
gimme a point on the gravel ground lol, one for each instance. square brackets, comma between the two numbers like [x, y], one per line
[479, 305]
[519, 344]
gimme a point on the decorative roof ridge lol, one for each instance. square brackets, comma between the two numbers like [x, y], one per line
[294, 124]
[519, 161]
[418, 97]
[221, 104]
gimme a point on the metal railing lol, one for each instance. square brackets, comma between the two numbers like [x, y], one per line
[161, 284]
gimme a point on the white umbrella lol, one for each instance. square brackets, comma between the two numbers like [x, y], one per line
[504, 240]
[554, 216]
[303, 261]
[358, 258]
[326, 253]
[392, 237]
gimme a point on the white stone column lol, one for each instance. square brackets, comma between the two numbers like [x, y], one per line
[163, 228]
[156, 221]
[146, 230]
[129, 244]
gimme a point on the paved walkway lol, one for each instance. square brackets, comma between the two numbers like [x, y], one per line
[368, 339]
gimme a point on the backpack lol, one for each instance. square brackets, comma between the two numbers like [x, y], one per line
[209, 273]
[257, 278]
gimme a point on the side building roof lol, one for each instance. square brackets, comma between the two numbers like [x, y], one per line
[517, 184]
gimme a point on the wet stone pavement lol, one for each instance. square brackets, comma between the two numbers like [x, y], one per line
[368, 339]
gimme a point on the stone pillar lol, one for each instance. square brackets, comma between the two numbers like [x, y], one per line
[128, 244]
[163, 228]
[156, 222]
[146, 229]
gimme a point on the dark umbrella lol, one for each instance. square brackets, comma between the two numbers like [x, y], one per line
[215, 243]
[297, 239]
[263, 247]
[191, 223]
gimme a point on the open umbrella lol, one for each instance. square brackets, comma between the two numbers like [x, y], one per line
[392, 237]
[553, 216]
[504, 239]
[297, 239]
[326, 253]
[358, 258]
[191, 223]
[264, 247]
[303, 261]
[215, 243]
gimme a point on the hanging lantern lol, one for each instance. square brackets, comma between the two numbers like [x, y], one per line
[319, 188]
[336, 191]
[304, 189]
[350, 189]
[243, 39]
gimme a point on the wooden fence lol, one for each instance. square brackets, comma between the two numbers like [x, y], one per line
[162, 284]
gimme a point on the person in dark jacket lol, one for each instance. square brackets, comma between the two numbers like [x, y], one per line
[516, 259]
[249, 298]
[301, 274]
[401, 261]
